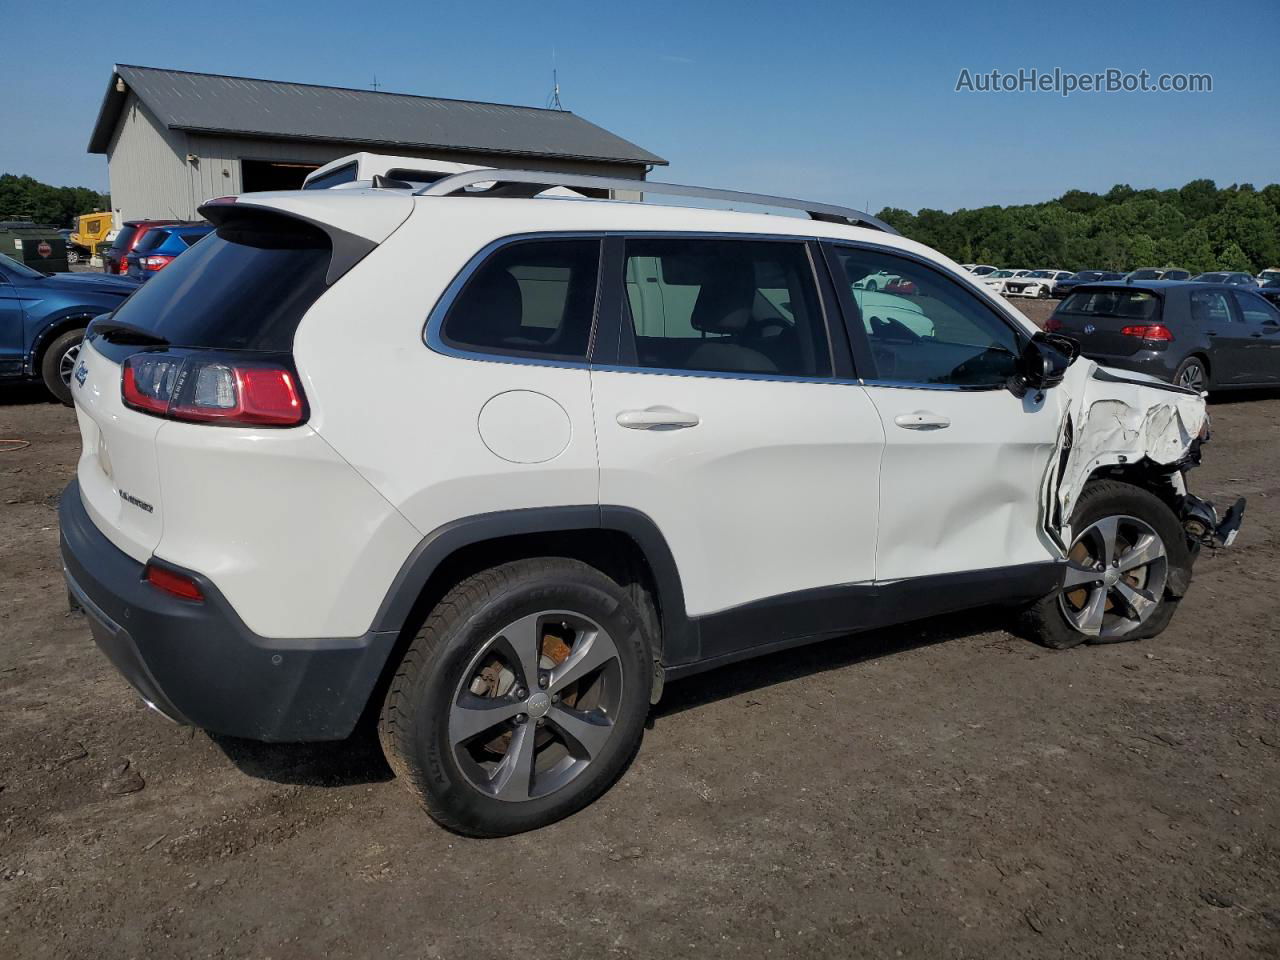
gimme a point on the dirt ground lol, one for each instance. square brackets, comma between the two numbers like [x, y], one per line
[939, 790]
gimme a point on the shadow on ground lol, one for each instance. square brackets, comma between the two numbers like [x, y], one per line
[815, 658]
[359, 759]
[356, 760]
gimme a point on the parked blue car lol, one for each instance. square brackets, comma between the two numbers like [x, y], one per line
[42, 320]
[158, 248]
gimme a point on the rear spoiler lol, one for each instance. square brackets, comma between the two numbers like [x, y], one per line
[349, 247]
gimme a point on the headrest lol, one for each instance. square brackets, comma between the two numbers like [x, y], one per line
[491, 310]
[727, 297]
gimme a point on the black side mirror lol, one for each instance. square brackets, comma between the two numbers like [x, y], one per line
[1043, 363]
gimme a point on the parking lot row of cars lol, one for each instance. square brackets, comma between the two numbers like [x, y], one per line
[1047, 283]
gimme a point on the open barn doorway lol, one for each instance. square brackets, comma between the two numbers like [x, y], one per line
[257, 175]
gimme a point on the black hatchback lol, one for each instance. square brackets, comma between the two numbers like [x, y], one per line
[1198, 335]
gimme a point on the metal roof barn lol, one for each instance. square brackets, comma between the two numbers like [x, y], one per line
[174, 138]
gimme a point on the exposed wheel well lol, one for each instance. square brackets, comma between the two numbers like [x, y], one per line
[612, 552]
[1152, 477]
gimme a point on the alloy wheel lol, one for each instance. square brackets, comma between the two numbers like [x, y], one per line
[1192, 377]
[536, 705]
[1116, 574]
[67, 363]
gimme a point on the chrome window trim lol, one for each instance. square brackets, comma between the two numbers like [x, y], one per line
[433, 338]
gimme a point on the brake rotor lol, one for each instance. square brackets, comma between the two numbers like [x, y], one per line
[496, 679]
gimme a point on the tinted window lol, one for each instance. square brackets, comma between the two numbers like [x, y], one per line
[1210, 306]
[124, 237]
[1118, 302]
[246, 288]
[150, 240]
[1255, 309]
[728, 306]
[535, 297]
[18, 269]
[926, 328]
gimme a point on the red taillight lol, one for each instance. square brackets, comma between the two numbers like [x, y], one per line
[1052, 325]
[1147, 331]
[213, 390]
[175, 583]
[156, 263]
[124, 264]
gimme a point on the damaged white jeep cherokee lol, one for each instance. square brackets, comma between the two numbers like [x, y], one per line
[490, 467]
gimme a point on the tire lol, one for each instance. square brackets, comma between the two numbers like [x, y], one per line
[58, 362]
[73, 255]
[1192, 369]
[1056, 620]
[1042, 293]
[872, 286]
[462, 671]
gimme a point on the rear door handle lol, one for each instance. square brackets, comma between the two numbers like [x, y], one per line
[657, 418]
[922, 420]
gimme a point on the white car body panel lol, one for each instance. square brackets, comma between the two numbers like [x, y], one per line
[304, 529]
[773, 491]
[966, 496]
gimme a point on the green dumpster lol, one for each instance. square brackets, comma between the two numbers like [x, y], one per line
[37, 245]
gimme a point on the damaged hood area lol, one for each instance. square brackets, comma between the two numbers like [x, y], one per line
[1113, 417]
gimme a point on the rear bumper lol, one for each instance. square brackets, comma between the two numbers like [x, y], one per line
[197, 663]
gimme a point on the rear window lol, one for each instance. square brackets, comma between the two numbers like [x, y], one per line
[1126, 304]
[124, 237]
[246, 288]
[150, 240]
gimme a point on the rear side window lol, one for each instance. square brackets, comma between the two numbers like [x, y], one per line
[1126, 304]
[1210, 306]
[245, 289]
[725, 306]
[531, 298]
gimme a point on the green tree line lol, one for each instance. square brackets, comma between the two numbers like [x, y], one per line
[1198, 227]
[26, 198]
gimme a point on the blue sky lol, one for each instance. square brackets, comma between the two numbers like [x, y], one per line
[844, 102]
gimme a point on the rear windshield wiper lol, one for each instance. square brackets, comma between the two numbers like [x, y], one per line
[113, 331]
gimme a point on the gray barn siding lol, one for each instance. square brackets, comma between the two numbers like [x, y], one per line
[147, 173]
[151, 177]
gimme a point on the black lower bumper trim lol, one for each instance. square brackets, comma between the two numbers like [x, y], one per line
[199, 663]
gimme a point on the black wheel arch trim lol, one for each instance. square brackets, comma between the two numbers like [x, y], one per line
[679, 641]
[54, 329]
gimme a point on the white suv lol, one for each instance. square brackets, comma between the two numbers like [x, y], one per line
[492, 467]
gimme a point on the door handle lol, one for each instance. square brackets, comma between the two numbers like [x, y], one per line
[657, 418]
[922, 420]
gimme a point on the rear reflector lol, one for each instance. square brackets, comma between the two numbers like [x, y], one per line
[1147, 331]
[232, 391]
[174, 583]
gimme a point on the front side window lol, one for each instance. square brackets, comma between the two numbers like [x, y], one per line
[725, 306]
[1255, 309]
[927, 329]
[534, 297]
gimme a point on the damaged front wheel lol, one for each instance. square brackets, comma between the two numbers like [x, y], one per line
[1127, 551]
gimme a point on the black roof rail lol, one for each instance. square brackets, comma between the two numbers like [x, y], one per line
[530, 183]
